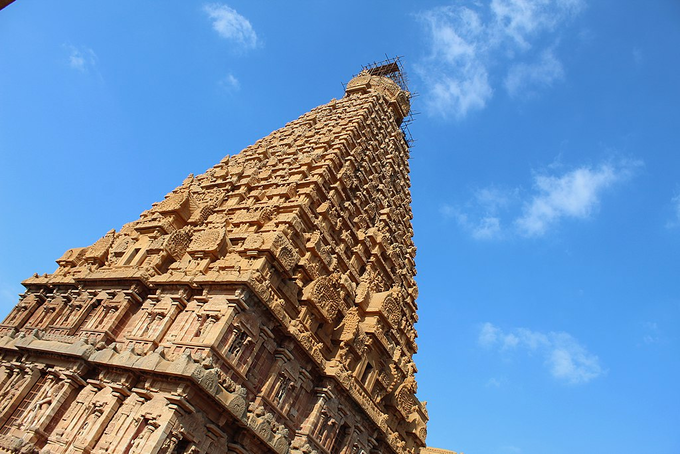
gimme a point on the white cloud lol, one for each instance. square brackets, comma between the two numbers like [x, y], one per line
[494, 198]
[638, 55]
[526, 77]
[571, 362]
[488, 335]
[494, 382]
[231, 25]
[456, 75]
[575, 194]
[494, 213]
[455, 72]
[532, 339]
[486, 224]
[81, 58]
[675, 206]
[565, 358]
[652, 333]
[460, 94]
[485, 228]
[230, 83]
[521, 19]
[509, 341]
[466, 45]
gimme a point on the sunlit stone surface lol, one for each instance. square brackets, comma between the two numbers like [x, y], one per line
[265, 306]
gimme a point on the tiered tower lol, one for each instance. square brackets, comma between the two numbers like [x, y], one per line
[265, 306]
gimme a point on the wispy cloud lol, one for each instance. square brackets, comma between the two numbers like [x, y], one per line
[572, 195]
[522, 20]
[469, 45]
[493, 213]
[674, 222]
[494, 382]
[565, 358]
[481, 216]
[230, 83]
[652, 334]
[528, 77]
[638, 55]
[455, 73]
[81, 58]
[481, 228]
[231, 25]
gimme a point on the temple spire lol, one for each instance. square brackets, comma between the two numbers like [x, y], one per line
[266, 305]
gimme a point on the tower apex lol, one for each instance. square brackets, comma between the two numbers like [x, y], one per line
[392, 68]
[388, 78]
[396, 98]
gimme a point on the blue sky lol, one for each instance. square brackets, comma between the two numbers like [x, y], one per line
[545, 179]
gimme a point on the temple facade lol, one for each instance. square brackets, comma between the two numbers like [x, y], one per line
[265, 306]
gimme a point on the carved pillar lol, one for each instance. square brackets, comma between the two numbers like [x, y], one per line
[87, 426]
[323, 396]
[23, 312]
[119, 431]
[270, 386]
[23, 380]
[144, 440]
[58, 388]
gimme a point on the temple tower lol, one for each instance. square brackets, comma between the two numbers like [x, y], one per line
[265, 306]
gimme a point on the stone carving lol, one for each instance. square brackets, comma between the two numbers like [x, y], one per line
[98, 252]
[72, 257]
[40, 405]
[10, 391]
[138, 445]
[261, 422]
[177, 243]
[270, 298]
[121, 245]
[174, 202]
[171, 443]
[209, 240]
[23, 311]
[324, 294]
[202, 215]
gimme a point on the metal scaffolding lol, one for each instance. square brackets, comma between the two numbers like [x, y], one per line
[393, 69]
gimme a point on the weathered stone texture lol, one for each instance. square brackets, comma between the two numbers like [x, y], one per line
[429, 450]
[265, 306]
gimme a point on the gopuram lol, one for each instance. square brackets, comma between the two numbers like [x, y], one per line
[265, 306]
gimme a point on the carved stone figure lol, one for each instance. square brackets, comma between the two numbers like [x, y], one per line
[138, 444]
[11, 390]
[42, 403]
